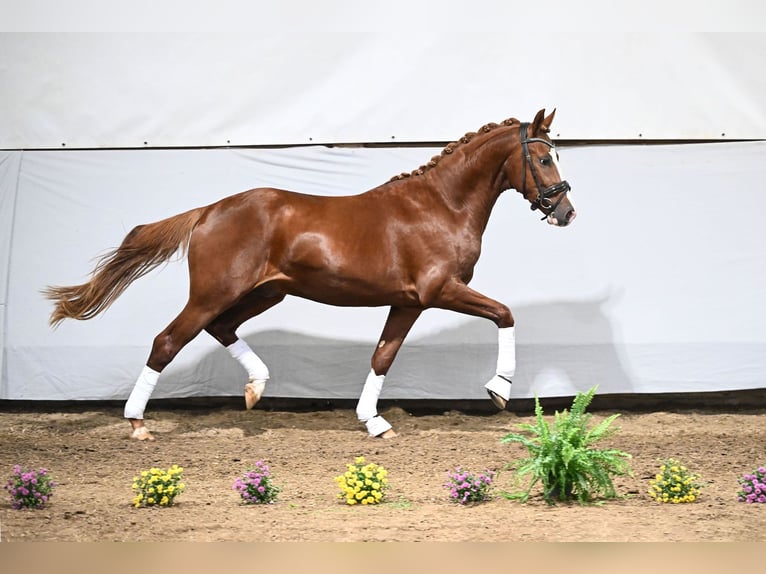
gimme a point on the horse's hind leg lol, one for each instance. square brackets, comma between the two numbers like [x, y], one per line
[166, 346]
[398, 324]
[223, 329]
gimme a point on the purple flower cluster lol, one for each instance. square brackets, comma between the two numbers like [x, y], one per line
[465, 487]
[29, 488]
[753, 486]
[255, 486]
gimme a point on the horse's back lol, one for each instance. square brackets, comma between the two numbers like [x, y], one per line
[286, 213]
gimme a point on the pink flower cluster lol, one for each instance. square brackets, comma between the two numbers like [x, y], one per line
[29, 489]
[753, 487]
[255, 486]
[465, 487]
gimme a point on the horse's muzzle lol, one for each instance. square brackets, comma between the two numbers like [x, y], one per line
[562, 216]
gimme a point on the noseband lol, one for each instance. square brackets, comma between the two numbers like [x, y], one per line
[544, 195]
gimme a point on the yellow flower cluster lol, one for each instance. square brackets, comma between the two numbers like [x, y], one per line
[157, 487]
[674, 484]
[363, 483]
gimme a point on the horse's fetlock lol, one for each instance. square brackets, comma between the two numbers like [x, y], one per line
[366, 412]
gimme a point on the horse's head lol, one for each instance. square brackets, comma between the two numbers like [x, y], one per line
[541, 181]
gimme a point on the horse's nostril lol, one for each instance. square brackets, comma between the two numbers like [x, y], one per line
[571, 215]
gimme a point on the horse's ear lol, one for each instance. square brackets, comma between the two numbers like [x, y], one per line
[543, 123]
[548, 121]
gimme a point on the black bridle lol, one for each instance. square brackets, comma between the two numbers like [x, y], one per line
[544, 195]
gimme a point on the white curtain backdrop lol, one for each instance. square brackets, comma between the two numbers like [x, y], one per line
[656, 287]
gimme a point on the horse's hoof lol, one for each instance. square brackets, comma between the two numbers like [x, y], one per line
[141, 433]
[390, 433]
[253, 393]
[497, 400]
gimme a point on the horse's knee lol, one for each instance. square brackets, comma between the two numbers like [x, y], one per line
[505, 317]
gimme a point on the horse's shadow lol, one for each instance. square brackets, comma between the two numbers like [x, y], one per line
[562, 347]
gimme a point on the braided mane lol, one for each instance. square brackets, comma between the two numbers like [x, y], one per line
[450, 147]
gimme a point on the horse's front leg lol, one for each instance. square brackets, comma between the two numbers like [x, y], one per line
[457, 296]
[398, 324]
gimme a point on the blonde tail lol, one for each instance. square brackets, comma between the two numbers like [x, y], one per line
[143, 249]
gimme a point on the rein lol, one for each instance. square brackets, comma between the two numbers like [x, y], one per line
[544, 195]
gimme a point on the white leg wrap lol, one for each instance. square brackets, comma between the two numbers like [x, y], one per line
[499, 386]
[255, 367]
[377, 425]
[367, 407]
[506, 352]
[142, 390]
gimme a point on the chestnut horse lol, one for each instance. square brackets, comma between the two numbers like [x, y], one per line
[411, 244]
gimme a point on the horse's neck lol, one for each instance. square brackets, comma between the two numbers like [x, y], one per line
[473, 176]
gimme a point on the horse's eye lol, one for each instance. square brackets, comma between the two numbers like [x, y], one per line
[546, 161]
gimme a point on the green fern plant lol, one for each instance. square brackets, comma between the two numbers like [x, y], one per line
[562, 456]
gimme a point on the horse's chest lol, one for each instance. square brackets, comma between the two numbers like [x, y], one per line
[466, 249]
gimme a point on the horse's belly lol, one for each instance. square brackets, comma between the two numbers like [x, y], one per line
[351, 291]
